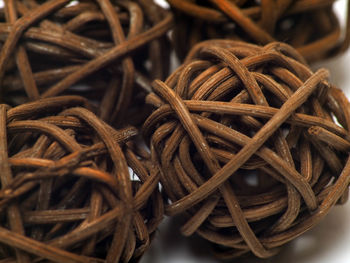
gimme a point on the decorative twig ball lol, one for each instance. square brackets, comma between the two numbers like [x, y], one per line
[310, 26]
[104, 50]
[66, 191]
[253, 146]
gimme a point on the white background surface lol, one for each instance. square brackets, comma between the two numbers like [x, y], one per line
[328, 242]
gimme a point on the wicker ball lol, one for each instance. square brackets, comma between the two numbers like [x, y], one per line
[96, 49]
[310, 26]
[66, 192]
[253, 146]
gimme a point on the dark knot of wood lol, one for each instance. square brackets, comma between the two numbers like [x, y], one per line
[252, 145]
[94, 48]
[311, 26]
[66, 192]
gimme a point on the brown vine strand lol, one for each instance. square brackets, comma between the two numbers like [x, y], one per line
[66, 193]
[104, 50]
[13, 211]
[235, 112]
[310, 26]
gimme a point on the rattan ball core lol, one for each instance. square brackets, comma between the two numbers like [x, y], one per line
[66, 192]
[107, 51]
[312, 27]
[252, 145]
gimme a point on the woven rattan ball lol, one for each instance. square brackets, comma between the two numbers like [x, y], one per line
[66, 193]
[310, 26]
[253, 146]
[98, 49]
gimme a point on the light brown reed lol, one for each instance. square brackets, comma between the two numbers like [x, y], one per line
[253, 146]
[66, 192]
[97, 49]
[311, 26]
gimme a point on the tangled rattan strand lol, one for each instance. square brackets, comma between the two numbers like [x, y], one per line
[66, 193]
[309, 25]
[102, 46]
[247, 145]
